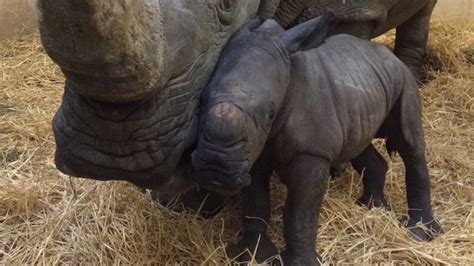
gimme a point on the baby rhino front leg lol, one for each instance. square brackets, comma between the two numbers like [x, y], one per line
[256, 214]
[306, 179]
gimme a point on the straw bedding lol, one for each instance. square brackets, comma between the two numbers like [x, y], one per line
[46, 218]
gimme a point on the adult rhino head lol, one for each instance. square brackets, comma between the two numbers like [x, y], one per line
[134, 73]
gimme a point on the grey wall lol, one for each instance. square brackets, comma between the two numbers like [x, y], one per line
[463, 9]
[17, 17]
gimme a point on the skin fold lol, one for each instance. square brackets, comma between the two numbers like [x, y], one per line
[307, 103]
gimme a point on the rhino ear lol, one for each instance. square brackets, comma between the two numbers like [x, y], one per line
[309, 34]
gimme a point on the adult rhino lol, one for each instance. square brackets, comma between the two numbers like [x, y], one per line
[135, 71]
[134, 74]
[368, 19]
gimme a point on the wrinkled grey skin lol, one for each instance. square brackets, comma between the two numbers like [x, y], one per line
[134, 74]
[135, 71]
[365, 19]
[302, 107]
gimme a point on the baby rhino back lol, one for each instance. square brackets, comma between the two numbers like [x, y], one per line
[356, 84]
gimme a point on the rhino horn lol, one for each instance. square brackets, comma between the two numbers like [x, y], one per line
[109, 50]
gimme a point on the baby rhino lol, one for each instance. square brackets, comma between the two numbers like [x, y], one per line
[296, 102]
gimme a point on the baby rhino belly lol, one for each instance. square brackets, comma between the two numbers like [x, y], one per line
[365, 110]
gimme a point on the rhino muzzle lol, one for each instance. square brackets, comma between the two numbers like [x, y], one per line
[113, 142]
[220, 160]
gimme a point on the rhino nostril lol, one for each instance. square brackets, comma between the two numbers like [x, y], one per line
[245, 180]
[225, 123]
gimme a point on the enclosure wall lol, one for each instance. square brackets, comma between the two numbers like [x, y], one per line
[17, 17]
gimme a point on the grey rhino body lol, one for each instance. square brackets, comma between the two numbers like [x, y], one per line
[279, 101]
[135, 71]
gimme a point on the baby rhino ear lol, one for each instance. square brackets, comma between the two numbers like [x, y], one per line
[309, 34]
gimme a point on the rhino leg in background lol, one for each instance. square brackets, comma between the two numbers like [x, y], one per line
[372, 167]
[412, 39]
[289, 11]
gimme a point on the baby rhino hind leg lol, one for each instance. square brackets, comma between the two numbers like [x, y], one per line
[421, 222]
[372, 167]
[405, 135]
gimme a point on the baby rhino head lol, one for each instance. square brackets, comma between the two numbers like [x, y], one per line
[244, 97]
[221, 158]
[224, 124]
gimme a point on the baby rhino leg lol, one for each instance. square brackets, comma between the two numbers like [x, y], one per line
[372, 167]
[256, 215]
[421, 222]
[405, 135]
[306, 179]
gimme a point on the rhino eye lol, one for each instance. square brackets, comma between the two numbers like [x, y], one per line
[225, 11]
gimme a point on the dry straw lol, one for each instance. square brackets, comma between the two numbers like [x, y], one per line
[43, 220]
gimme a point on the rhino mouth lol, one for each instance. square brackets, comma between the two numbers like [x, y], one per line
[120, 83]
[221, 168]
[142, 142]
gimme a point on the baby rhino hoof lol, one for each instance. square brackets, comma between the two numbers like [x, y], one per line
[311, 258]
[244, 251]
[422, 231]
[371, 201]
